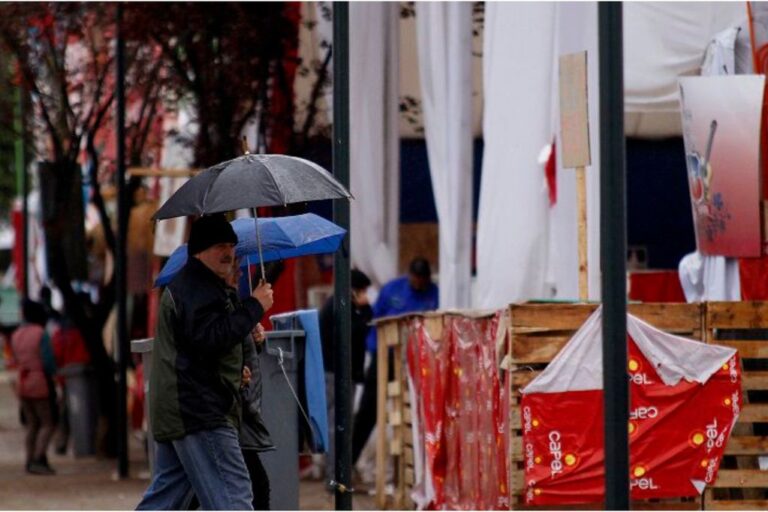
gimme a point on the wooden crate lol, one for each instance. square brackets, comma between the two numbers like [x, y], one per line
[740, 484]
[394, 410]
[539, 331]
[394, 404]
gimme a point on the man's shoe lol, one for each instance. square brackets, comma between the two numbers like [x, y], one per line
[39, 468]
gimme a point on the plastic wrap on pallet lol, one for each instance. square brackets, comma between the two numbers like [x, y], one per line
[686, 397]
[461, 410]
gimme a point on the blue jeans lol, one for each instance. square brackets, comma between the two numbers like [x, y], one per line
[209, 464]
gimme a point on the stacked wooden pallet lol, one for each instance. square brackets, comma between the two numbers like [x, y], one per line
[393, 413]
[539, 331]
[741, 484]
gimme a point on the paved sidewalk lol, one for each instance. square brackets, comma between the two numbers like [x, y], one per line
[90, 483]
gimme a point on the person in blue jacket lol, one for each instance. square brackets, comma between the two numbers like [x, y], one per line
[407, 294]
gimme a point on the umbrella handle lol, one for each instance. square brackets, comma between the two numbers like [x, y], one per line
[258, 243]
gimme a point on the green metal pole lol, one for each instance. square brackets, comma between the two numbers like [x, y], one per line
[613, 248]
[341, 304]
[22, 186]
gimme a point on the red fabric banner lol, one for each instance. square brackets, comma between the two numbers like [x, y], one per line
[677, 436]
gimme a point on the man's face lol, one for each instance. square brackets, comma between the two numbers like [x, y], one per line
[219, 258]
[418, 283]
[360, 296]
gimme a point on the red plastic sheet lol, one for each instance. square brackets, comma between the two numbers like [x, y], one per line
[461, 407]
[753, 278]
[677, 436]
[656, 286]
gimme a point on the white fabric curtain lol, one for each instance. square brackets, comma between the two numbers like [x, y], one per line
[444, 36]
[512, 220]
[663, 41]
[575, 31]
[375, 150]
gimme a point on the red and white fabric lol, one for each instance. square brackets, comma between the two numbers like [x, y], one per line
[460, 422]
[685, 398]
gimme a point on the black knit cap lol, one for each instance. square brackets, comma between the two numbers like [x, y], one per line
[208, 231]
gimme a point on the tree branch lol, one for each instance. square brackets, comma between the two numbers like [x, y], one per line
[98, 200]
[317, 89]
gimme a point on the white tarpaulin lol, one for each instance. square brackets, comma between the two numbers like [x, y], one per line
[512, 218]
[575, 31]
[579, 365]
[525, 249]
[664, 41]
[444, 34]
[374, 142]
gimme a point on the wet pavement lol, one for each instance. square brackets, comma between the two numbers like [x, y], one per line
[91, 483]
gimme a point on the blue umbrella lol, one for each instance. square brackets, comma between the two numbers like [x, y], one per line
[281, 238]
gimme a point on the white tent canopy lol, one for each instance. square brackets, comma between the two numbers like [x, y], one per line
[525, 249]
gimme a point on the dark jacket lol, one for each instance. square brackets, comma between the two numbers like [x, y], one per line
[197, 357]
[253, 432]
[361, 317]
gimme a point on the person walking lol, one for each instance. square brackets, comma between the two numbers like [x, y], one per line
[407, 294]
[197, 369]
[34, 360]
[361, 317]
[69, 349]
[254, 436]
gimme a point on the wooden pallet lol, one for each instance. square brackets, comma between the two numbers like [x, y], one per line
[394, 413]
[740, 484]
[394, 405]
[539, 331]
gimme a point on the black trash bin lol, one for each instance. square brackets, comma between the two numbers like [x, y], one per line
[82, 407]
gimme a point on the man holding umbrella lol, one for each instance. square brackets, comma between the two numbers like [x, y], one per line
[197, 365]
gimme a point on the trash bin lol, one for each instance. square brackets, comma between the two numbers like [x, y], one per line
[82, 407]
[279, 409]
[144, 347]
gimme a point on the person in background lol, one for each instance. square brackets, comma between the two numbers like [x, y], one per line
[361, 317]
[254, 436]
[33, 357]
[407, 294]
[68, 349]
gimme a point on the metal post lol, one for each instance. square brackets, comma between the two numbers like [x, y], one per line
[22, 185]
[341, 303]
[120, 256]
[613, 255]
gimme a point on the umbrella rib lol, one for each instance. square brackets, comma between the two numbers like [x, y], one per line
[207, 191]
[274, 181]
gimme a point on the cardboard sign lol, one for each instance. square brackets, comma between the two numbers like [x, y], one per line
[574, 113]
[721, 130]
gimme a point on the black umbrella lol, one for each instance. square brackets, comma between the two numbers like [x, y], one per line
[250, 181]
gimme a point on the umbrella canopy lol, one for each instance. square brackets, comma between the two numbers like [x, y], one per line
[281, 238]
[250, 181]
